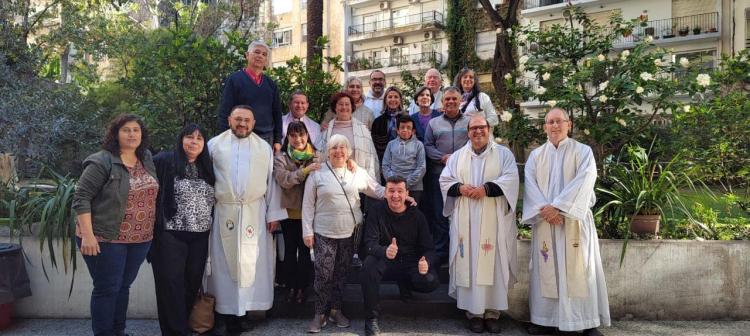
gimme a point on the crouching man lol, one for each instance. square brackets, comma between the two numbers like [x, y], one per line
[399, 247]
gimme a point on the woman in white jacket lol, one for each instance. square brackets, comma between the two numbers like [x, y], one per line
[473, 101]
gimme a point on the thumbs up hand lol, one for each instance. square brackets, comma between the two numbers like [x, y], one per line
[392, 250]
[423, 266]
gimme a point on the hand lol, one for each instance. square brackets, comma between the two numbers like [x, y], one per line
[276, 147]
[89, 245]
[351, 165]
[548, 213]
[465, 190]
[313, 166]
[423, 266]
[477, 193]
[557, 220]
[411, 201]
[309, 241]
[445, 158]
[324, 126]
[272, 226]
[392, 250]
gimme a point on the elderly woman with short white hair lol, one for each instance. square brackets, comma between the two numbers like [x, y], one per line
[330, 212]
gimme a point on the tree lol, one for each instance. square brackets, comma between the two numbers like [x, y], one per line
[314, 28]
[504, 62]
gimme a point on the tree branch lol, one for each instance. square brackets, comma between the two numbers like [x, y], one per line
[38, 17]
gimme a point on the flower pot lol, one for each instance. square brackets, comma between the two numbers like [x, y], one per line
[649, 31]
[645, 224]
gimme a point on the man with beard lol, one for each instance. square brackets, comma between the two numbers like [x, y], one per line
[374, 98]
[247, 211]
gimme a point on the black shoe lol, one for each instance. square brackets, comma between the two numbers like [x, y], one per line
[476, 324]
[356, 262]
[535, 329]
[220, 325]
[592, 332]
[492, 325]
[372, 328]
[404, 293]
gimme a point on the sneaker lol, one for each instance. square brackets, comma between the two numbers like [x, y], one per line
[317, 324]
[372, 328]
[338, 317]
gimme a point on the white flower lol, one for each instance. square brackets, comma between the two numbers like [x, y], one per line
[521, 67]
[546, 76]
[639, 89]
[646, 76]
[603, 98]
[586, 131]
[541, 90]
[523, 59]
[506, 116]
[703, 80]
[649, 39]
[508, 76]
[625, 54]
[686, 108]
[684, 62]
[552, 103]
[509, 31]
[658, 62]
[622, 122]
[601, 58]
[603, 85]
[498, 140]
[522, 38]
[621, 25]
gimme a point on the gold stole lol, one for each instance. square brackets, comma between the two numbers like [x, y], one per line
[575, 273]
[488, 227]
[237, 214]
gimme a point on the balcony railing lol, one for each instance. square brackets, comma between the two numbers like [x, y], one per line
[400, 21]
[692, 25]
[529, 4]
[368, 63]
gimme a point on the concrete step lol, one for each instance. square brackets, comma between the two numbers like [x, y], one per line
[424, 305]
[352, 276]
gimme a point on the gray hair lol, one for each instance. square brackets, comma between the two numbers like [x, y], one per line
[566, 117]
[451, 89]
[339, 140]
[258, 44]
[350, 80]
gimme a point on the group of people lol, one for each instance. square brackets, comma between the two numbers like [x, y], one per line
[400, 189]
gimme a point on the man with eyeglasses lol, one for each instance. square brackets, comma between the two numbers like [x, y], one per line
[567, 290]
[480, 187]
[432, 80]
[374, 97]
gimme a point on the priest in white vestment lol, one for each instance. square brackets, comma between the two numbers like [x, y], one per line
[480, 188]
[566, 286]
[241, 255]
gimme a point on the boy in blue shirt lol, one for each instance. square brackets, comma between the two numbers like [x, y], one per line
[405, 157]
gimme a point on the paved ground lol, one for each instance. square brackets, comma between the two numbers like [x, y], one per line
[392, 326]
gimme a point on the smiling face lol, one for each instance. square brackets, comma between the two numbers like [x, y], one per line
[451, 101]
[257, 58]
[129, 136]
[298, 141]
[405, 130]
[299, 105]
[432, 80]
[395, 195]
[338, 154]
[344, 109]
[424, 98]
[193, 144]
[557, 125]
[241, 121]
[377, 82]
[467, 81]
[354, 89]
[478, 132]
[393, 100]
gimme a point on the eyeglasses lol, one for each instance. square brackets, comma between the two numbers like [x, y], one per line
[556, 122]
[477, 128]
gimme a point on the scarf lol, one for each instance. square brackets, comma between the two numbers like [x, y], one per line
[300, 156]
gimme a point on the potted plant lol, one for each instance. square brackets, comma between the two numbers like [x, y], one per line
[640, 190]
[667, 33]
[696, 30]
[649, 31]
[684, 31]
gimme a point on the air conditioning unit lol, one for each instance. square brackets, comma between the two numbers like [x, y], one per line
[430, 34]
[398, 40]
[385, 5]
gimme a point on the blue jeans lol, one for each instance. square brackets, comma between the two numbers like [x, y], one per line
[113, 271]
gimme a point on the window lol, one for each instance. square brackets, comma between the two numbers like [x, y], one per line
[303, 33]
[702, 59]
[282, 38]
[302, 4]
[400, 17]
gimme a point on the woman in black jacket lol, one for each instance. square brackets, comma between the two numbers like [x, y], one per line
[184, 217]
[384, 126]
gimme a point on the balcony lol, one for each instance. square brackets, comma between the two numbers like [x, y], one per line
[540, 7]
[396, 25]
[361, 66]
[359, 3]
[674, 30]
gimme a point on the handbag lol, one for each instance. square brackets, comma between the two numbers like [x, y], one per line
[202, 316]
[357, 234]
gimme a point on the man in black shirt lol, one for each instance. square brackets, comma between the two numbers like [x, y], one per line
[399, 247]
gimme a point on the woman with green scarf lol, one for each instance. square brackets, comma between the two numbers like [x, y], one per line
[292, 164]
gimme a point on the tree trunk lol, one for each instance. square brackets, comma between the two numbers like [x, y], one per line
[504, 64]
[314, 28]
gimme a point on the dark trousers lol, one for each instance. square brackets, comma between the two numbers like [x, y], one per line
[439, 225]
[113, 270]
[332, 257]
[297, 266]
[404, 271]
[178, 260]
